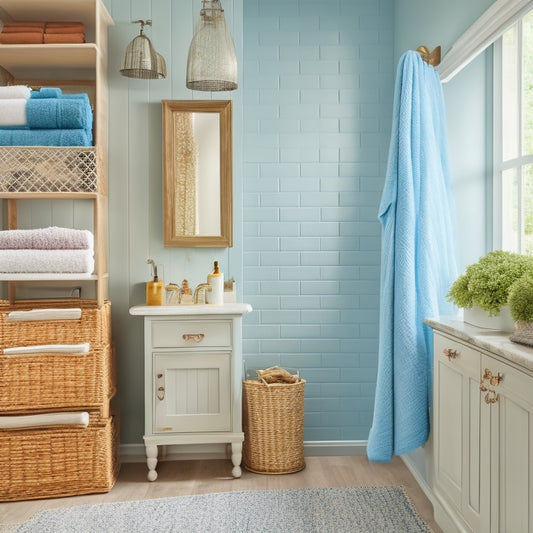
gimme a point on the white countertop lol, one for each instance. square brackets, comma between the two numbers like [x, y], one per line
[190, 310]
[496, 342]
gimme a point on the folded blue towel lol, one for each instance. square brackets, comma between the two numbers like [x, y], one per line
[59, 113]
[45, 137]
[46, 92]
[418, 264]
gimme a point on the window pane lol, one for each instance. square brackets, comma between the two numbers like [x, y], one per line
[510, 93]
[527, 86]
[510, 226]
[527, 191]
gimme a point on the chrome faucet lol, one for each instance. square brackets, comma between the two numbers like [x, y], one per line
[203, 286]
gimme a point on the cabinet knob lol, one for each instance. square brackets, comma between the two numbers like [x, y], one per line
[193, 337]
[161, 393]
[450, 354]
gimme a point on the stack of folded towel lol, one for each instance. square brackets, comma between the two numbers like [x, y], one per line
[47, 250]
[26, 32]
[44, 118]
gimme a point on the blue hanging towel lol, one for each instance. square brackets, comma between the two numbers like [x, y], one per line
[418, 259]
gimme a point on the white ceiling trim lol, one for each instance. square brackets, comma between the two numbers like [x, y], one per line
[487, 28]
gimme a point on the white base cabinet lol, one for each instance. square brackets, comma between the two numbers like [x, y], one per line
[483, 433]
[193, 378]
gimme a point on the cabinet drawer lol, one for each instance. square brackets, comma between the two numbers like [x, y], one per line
[190, 334]
[449, 351]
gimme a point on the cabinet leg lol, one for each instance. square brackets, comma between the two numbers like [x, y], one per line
[236, 458]
[151, 461]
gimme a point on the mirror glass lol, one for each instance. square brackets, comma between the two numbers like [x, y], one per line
[197, 173]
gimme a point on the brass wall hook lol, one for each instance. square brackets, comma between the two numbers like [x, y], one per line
[433, 57]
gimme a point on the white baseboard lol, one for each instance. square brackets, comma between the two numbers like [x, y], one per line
[424, 485]
[134, 453]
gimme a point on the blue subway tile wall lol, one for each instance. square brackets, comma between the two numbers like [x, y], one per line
[318, 90]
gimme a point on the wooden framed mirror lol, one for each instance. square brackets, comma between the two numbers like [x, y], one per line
[197, 173]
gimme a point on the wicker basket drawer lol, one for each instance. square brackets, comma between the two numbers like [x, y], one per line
[56, 380]
[49, 169]
[93, 327]
[54, 461]
[190, 334]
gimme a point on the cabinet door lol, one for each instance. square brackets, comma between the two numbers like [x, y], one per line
[459, 455]
[192, 392]
[510, 405]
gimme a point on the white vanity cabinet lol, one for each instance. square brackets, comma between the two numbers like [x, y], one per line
[193, 377]
[482, 431]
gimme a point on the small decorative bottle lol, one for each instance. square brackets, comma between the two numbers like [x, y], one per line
[216, 280]
[155, 294]
[186, 294]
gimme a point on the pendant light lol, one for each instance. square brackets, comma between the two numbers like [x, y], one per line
[212, 63]
[141, 60]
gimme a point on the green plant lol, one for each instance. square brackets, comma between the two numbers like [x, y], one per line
[521, 299]
[487, 282]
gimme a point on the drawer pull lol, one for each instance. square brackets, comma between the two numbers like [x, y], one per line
[193, 337]
[488, 380]
[450, 354]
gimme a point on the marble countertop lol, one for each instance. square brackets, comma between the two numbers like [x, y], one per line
[190, 310]
[496, 342]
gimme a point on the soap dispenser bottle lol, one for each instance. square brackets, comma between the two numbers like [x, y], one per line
[155, 293]
[216, 281]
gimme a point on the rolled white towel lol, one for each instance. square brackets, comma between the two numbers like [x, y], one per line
[48, 348]
[13, 112]
[73, 313]
[47, 261]
[15, 91]
[45, 419]
[52, 238]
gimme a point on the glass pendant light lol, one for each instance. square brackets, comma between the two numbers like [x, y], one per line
[212, 63]
[141, 60]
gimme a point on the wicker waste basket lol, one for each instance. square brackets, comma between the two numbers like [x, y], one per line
[273, 424]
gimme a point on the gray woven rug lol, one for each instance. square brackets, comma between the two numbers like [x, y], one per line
[335, 510]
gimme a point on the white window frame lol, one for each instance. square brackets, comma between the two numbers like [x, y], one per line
[517, 163]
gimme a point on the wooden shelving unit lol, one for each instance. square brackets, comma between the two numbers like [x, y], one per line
[63, 65]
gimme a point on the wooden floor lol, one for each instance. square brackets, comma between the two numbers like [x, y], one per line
[177, 478]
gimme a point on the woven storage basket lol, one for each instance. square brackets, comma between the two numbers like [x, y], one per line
[523, 333]
[56, 380]
[93, 327]
[273, 424]
[49, 169]
[58, 461]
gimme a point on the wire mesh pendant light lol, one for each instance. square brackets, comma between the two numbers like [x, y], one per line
[141, 60]
[212, 63]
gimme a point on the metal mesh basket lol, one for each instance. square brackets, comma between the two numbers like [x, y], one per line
[48, 169]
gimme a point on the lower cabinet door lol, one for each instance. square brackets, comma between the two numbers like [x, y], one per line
[192, 392]
[509, 399]
[461, 474]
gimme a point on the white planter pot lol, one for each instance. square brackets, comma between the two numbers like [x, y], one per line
[480, 318]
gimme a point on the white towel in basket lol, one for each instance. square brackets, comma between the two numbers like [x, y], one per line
[48, 348]
[45, 419]
[73, 313]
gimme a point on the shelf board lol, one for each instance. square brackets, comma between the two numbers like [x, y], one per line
[21, 59]
[45, 276]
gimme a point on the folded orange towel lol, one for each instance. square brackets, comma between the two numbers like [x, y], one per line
[21, 38]
[23, 23]
[22, 29]
[65, 29]
[53, 38]
[76, 26]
